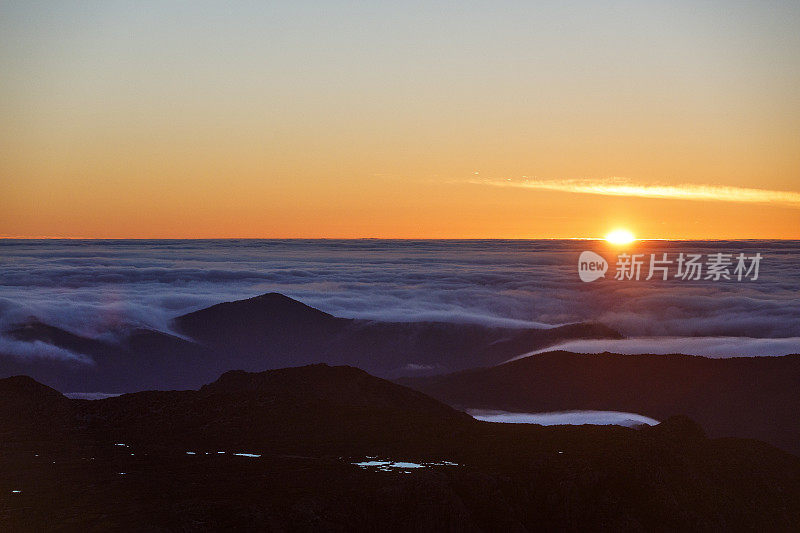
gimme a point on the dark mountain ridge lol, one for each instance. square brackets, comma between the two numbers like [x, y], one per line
[315, 408]
[284, 332]
[749, 397]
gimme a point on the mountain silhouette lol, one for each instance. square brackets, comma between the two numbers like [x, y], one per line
[264, 332]
[753, 397]
[273, 330]
[32, 412]
[316, 408]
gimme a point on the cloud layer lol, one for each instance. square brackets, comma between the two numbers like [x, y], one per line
[97, 288]
[706, 346]
[557, 418]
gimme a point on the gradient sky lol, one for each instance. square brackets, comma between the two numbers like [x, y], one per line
[400, 119]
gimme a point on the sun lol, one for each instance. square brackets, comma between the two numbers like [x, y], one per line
[620, 236]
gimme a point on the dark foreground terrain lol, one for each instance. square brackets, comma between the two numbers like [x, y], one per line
[151, 461]
[753, 397]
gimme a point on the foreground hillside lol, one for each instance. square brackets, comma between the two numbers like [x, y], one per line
[753, 397]
[274, 451]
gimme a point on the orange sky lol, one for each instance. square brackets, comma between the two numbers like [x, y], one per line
[423, 120]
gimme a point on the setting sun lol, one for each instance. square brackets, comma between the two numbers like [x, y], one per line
[620, 236]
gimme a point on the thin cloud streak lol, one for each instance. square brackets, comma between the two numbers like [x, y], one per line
[624, 187]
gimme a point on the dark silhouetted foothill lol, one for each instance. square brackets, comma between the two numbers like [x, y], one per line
[750, 397]
[677, 428]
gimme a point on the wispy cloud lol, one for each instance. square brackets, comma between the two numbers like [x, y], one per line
[625, 187]
[715, 347]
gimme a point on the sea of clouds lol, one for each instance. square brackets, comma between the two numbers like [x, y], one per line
[572, 418]
[99, 288]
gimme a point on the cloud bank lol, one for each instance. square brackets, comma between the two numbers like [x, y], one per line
[40, 350]
[617, 418]
[99, 288]
[715, 347]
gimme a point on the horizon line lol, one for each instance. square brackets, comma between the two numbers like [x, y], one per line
[638, 239]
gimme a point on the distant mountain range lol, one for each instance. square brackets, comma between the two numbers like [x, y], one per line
[273, 331]
[459, 364]
[275, 451]
[754, 397]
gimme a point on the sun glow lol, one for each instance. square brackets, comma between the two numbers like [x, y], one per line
[620, 236]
